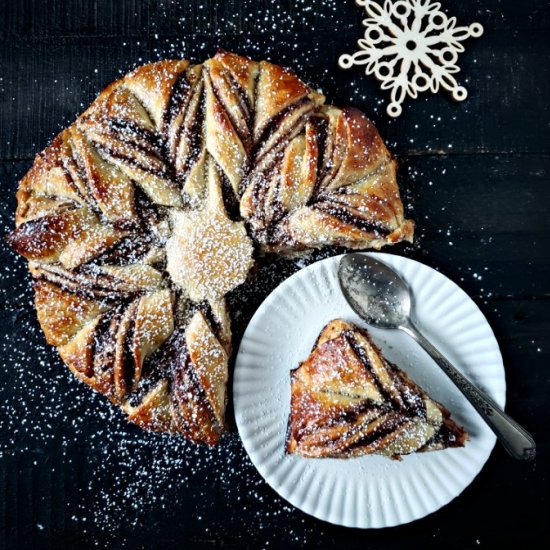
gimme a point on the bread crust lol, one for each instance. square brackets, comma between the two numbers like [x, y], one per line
[97, 209]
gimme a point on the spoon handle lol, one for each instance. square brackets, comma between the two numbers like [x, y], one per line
[515, 439]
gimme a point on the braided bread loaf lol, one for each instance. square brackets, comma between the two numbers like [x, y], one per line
[141, 216]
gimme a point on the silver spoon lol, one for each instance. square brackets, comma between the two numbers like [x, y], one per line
[383, 299]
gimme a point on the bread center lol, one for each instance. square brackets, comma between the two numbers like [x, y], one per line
[208, 255]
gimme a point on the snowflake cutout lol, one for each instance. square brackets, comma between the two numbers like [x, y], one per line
[411, 46]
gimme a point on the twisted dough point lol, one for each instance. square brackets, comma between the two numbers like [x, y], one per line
[232, 145]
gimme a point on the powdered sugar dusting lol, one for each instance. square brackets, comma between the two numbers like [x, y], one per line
[132, 474]
[126, 476]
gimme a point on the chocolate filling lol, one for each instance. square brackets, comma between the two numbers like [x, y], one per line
[191, 130]
[347, 216]
[179, 97]
[244, 134]
[388, 426]
[363, 357]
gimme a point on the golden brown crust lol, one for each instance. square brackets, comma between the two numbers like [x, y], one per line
[277, 89]
[347, 400]
[106, 218]
[62, 314]
[152, 85]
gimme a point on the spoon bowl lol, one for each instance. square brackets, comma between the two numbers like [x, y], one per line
[374, 291]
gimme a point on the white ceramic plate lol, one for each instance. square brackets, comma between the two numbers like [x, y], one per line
[369, 491]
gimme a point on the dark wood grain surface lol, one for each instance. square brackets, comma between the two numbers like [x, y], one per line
[475, 177]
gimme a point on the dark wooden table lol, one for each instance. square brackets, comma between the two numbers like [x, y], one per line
[474, 175]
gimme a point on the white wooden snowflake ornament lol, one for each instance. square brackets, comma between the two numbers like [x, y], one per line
[411, 46]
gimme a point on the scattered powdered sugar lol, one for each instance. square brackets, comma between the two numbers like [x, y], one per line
[115, 477]
[129, 477]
